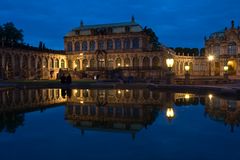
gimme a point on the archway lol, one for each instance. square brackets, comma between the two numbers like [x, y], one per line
[9, 67]
[118, 62]
[24, 69]
[135, 62]
[232, 67]
[17, 66]
[126, 62]
[146, 62]
[77, 65]
[84, 64]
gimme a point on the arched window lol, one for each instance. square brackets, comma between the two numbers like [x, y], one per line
[118, 62]
[92, 45]
[135, 43]
[84, 46]
[84, 64]
[126, 44]
[126, 62]
[57, 63]
[69, 46]
[109, 44]
[232, 48]
[135, 62]
[100, 44]
[77, 46]
[146, 62]
[62, 63]
[118, 44]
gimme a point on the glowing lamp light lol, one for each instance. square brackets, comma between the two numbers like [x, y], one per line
[187, 68]
[187, 96]
[170, 113]
[119, 91]
[127, 65]
[44, 66]
[169, 62]
[210, 96]
[225, 68]
[75, 91]
[81, 102]
[127, 90]
[210, 58]
[119, 64]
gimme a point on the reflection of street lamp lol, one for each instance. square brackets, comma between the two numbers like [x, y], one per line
[210, 59]
[169, 75]
[210, 96]
[187, 74]
[170, 113]
[225, 68]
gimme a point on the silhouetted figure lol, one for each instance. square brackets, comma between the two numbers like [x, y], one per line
[69, 79]
[63, 79]
[69, 93]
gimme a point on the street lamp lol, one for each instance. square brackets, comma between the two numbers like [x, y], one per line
[187, 74]
[210, 59]
[225, 68]
[169, 62]
[169, 75]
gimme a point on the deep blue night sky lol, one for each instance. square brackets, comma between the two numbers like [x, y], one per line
[176, 22]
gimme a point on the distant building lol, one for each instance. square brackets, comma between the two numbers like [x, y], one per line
[225, 47]
[120, 50]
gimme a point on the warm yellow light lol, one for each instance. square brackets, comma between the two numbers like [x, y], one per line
[210, 57]
[169, 62]
[81, 102]
[210, 96]
[127, 90]
[225, 68]
[187, 68]
[44, 66]
[81, 54]
[119, 64]
[75, 65]
[119, 91]
[127, 65]
[170, 113]
[87, 66]
[187, 96]
[75, 91]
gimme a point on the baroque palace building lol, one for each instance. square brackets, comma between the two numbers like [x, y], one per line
[91, 50]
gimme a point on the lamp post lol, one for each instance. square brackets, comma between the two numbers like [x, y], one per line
[210, 59]
[225, 68]
[169, 75]
[187, 74]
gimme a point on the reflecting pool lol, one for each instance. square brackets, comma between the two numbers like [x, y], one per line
[117, 124]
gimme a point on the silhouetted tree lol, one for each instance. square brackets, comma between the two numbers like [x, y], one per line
[153, 39]
[10, 35]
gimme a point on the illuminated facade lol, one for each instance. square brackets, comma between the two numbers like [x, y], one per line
[92, 50]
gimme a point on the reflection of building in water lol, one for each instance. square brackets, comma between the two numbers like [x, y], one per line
[14, 103]
[227, 111]
[113, 110]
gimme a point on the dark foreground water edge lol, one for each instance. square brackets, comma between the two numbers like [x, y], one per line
[117, 124]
